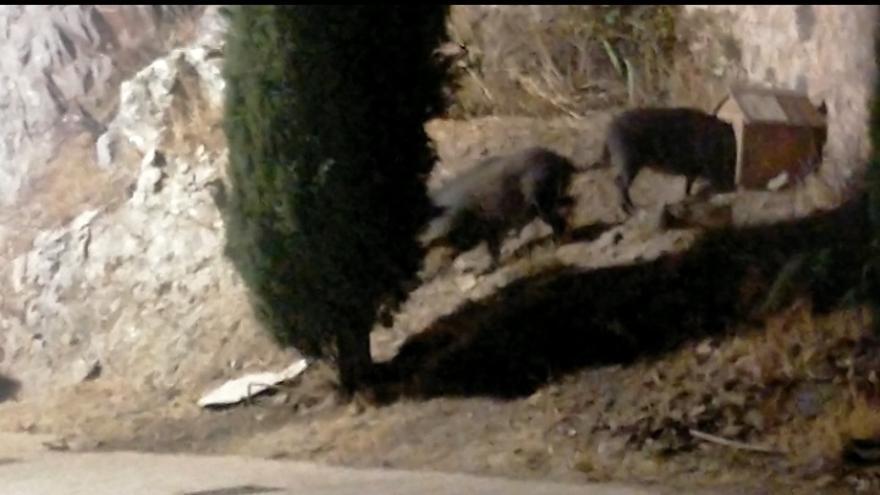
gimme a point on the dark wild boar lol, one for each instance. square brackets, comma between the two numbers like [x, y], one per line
[499, 194]
[680, 141]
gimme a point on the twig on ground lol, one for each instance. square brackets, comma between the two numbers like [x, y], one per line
[734, 444]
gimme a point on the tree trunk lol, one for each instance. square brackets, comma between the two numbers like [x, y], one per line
[355, 361]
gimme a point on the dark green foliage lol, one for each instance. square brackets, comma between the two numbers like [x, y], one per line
[874, 166]
[328, 155]
[871, 271]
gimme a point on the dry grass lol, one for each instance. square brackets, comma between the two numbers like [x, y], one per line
[561, 60]
[705, 62]
[812, 381]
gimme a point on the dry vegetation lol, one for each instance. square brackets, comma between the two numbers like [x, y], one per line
[540, 60]
[786, 397]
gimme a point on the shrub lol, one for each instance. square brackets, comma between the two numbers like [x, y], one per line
[326, 108]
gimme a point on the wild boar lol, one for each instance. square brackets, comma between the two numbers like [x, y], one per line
[499, 194]
[681, 141]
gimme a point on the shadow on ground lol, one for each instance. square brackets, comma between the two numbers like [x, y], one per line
[538, 328]
[9, 388]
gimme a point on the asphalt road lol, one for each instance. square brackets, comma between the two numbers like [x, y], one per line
[28, 468]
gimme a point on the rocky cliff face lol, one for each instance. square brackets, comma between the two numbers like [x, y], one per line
[138, 287]
[60, 67]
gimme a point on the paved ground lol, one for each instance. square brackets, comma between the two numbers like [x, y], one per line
[27, 468]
